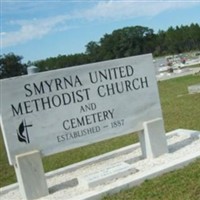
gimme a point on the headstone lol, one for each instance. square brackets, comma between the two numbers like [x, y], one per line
[192, 89]
[32, 70]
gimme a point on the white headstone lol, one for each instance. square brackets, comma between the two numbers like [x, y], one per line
[192, 89]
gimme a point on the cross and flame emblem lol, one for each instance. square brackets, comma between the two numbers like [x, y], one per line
[22, 132]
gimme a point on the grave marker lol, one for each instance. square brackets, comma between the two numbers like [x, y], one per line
[192, 89]
[114, 171]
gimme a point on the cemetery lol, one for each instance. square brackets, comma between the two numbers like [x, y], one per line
[50, 114]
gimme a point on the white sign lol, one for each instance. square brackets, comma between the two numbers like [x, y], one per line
[68, 108]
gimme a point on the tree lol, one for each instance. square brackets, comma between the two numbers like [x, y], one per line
[121, 43]
[92, 49]
[10, 65]
[130, 41]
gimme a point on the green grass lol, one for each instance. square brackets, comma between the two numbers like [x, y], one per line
[182, 184]
[180, 110]
[7, 173]
[195, 65]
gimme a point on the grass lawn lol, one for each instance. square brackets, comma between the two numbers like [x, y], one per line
[182, 184]
[180, 110]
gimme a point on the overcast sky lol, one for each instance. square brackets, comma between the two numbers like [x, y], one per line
[38, 29]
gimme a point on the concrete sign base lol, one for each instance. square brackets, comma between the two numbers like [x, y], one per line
[30, 175]
[152, 139]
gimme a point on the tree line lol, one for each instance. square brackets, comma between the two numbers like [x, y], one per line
[128, 41]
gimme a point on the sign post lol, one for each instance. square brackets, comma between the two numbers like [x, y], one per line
[152, 139]
[30, 175]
